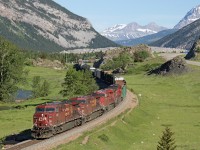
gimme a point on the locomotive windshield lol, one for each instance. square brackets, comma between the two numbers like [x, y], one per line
[50, 109]
[39, 109]
[45, 109]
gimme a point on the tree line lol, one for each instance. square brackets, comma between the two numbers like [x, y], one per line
[12, 72]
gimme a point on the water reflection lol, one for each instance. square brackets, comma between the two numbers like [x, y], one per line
[23, 94]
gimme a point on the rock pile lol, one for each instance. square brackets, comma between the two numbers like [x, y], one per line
[175, 66]
[48, 63]
[194, 51]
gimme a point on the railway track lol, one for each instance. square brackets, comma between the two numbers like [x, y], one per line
[24, 144]
[67, 136]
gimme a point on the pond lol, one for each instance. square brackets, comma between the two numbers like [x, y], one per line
[20, 95]
[23, 94]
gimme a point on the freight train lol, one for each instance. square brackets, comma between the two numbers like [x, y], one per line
[56, 117]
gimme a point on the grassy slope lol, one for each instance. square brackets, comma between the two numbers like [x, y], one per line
[166, 101]
[14, 121]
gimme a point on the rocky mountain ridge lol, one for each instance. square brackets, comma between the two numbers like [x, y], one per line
[30, 22]
[131, 31]
[183, 38]
[147, 39]
[191, 16]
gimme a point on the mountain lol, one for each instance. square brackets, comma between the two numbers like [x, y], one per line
[130, 31]
[191, 16]
[44, 25]
[183, 38]
[147, 39]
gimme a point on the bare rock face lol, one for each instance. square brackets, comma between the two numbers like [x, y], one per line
[194, 51]
[175, 66]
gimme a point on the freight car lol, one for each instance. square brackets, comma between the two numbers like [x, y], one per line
[52, 118]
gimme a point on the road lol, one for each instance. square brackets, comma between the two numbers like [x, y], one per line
[169, 56]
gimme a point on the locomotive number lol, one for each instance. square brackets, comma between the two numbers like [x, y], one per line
[93, 102]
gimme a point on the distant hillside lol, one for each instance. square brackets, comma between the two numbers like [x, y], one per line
[183, 38]
[146, 39]
[131, 31]
[44, 25]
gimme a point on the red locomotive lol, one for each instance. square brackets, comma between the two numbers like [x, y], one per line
[52, 118]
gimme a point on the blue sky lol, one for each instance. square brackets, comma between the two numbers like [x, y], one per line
[106, 13]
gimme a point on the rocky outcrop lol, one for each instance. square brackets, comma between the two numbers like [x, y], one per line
[194, 51]
[175, 66]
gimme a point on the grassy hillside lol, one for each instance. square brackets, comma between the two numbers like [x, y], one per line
[165, 101]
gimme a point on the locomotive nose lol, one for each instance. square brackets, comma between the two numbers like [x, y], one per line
[41, 120]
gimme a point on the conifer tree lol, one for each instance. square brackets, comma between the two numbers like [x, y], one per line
[167, 142]
[45, 88]
[77, 83]
[38, 89]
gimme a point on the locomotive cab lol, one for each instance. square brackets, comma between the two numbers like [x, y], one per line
[43, 116]
[43, 120]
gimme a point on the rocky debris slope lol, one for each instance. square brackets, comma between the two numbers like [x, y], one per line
[194, 51]
[176, 65]
[44, 25]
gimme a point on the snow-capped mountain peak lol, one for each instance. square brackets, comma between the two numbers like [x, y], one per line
[191, 16]
[131, 31]
[115, 27]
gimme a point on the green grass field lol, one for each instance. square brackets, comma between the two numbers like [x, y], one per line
[172, 101]
[165, 101]
[17, 120]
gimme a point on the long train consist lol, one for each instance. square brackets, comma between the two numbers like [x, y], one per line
[56, 117]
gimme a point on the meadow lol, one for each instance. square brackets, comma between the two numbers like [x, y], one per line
[172, 101]
[14, 121]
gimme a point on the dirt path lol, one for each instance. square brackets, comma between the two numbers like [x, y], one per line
[130, 102]
[169, 56]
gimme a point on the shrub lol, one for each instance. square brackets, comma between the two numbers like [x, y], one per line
[103, 137]
[140, 56]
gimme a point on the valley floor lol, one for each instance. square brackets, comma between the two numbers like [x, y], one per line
[171, 101]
